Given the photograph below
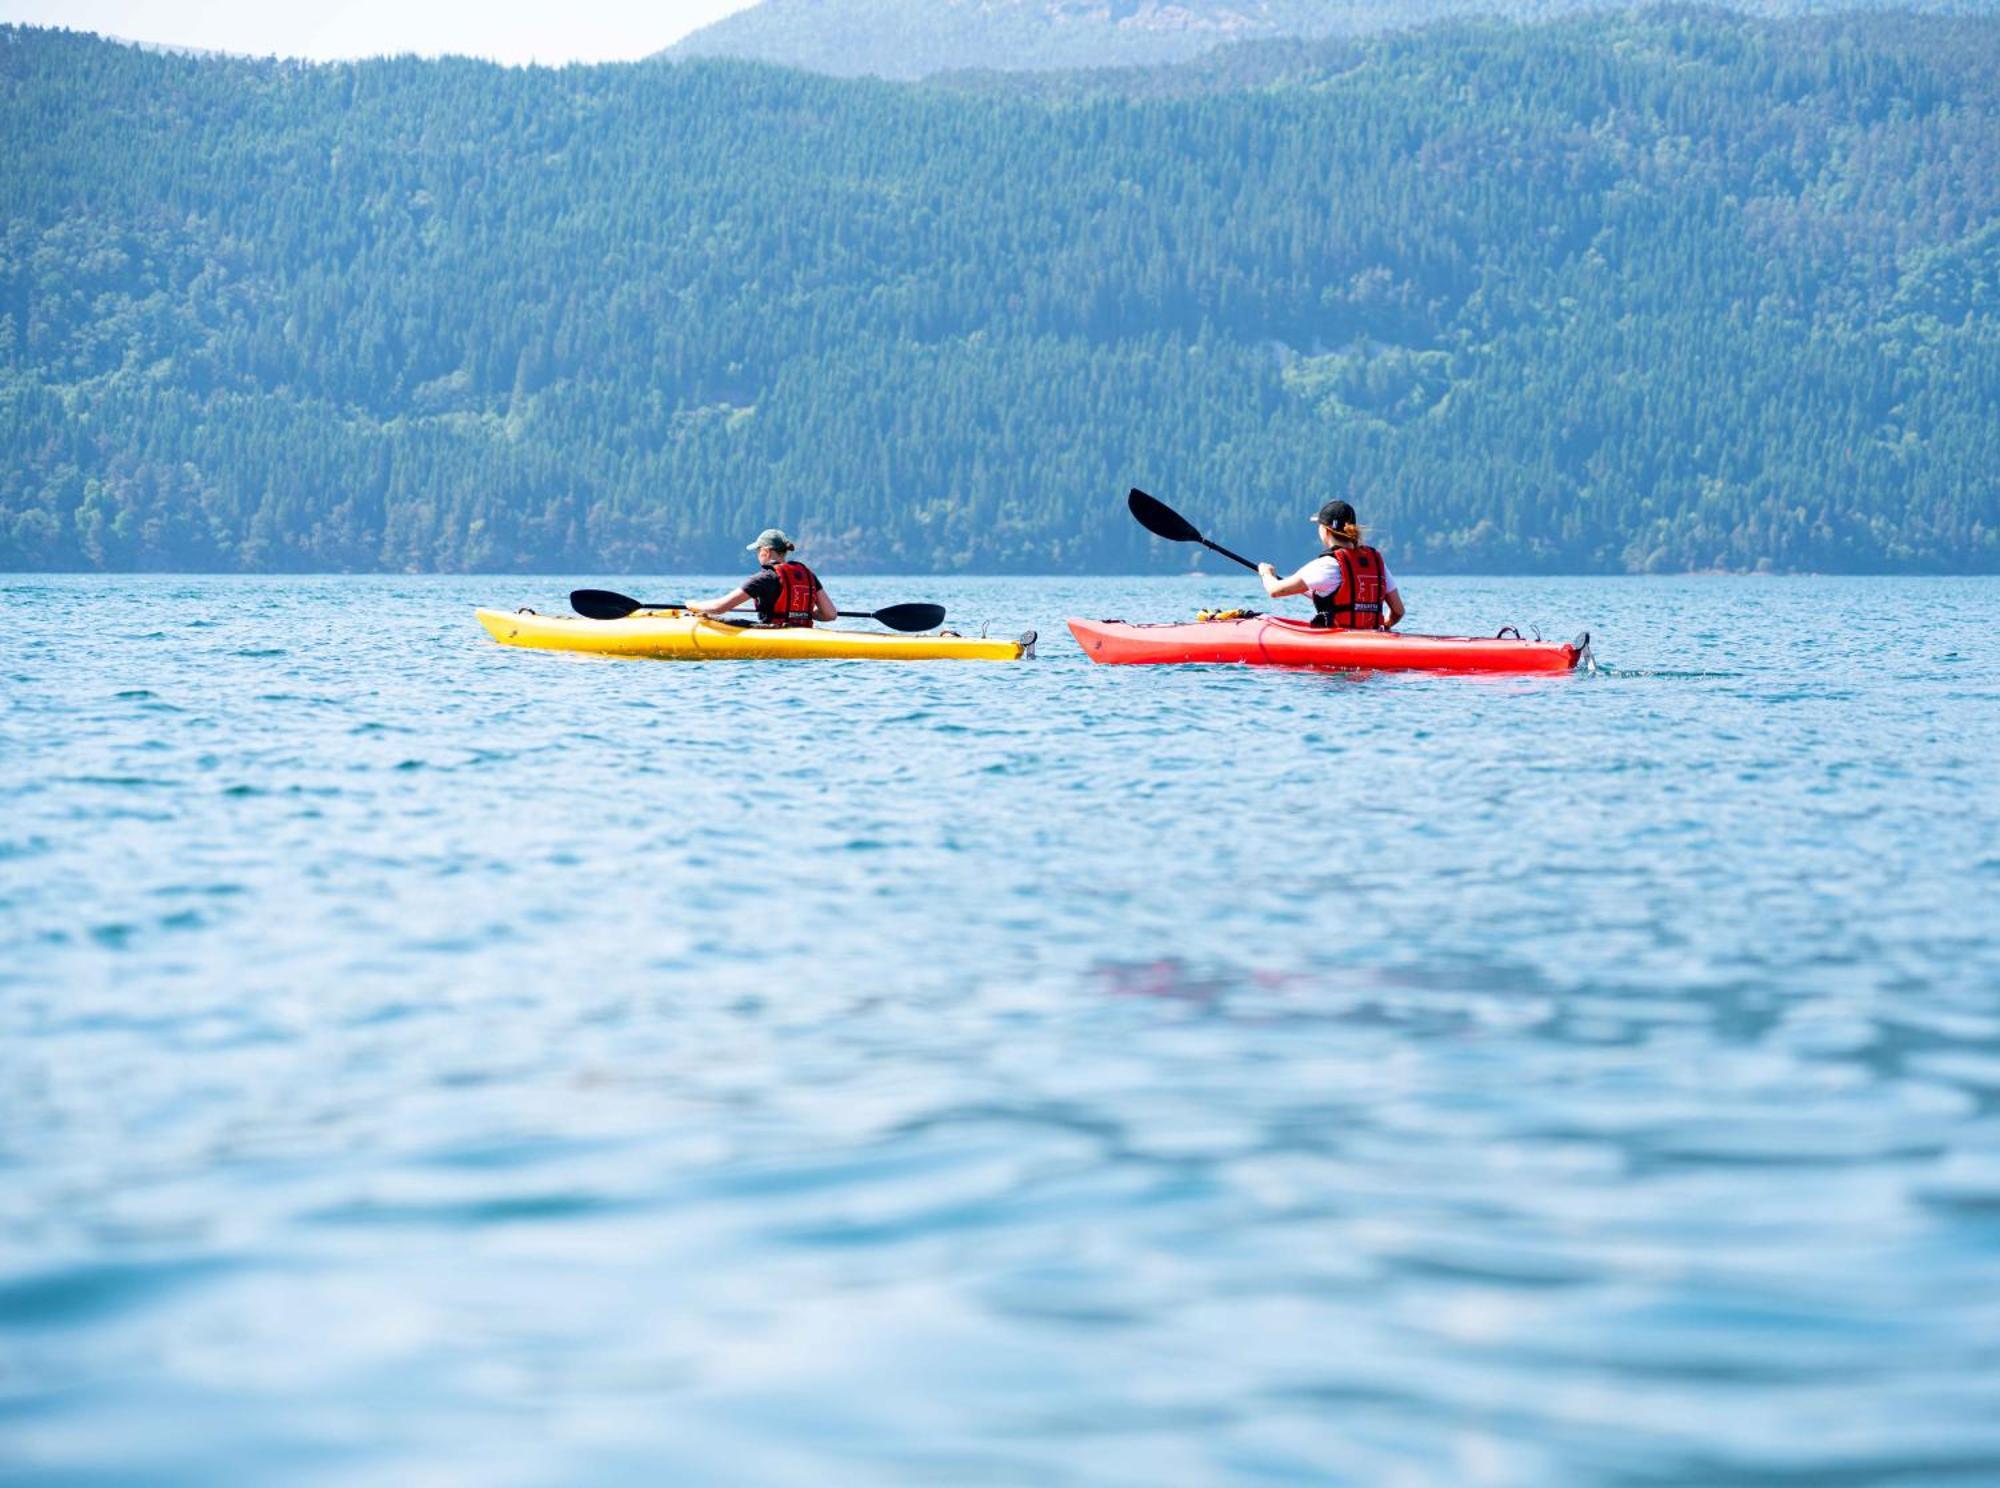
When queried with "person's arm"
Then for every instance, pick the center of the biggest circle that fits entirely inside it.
(1279, 588)
(1395, 609)
(823, 607)
(728, 601)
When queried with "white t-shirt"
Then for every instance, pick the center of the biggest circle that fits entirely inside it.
(1322, 576)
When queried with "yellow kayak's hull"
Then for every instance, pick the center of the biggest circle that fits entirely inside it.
(675, 635)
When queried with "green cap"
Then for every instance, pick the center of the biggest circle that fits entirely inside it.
(772, 537)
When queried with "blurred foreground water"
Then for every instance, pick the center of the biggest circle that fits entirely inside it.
(427, 1062)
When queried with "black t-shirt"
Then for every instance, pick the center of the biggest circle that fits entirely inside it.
(764, 589)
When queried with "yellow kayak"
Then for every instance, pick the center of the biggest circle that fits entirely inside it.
(675, 635)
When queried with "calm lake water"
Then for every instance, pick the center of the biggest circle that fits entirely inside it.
(425, 1062)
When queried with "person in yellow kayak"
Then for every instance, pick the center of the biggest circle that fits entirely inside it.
(785, 591)
(1350, 585)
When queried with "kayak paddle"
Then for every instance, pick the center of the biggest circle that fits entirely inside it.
(1163, 521)
(602, 604)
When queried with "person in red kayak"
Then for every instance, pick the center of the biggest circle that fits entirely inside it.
(786, 592)
(1350, 585)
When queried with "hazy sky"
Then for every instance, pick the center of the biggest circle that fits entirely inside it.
(505, 30)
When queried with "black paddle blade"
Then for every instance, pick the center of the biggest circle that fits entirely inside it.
(912, 616)
(601, 604)
(1160, 519)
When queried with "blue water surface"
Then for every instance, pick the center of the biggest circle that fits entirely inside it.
(428, 1062)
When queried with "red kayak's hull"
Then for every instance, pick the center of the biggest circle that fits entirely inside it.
(1266, 641)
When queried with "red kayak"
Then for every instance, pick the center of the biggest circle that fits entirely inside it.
(1265, 640)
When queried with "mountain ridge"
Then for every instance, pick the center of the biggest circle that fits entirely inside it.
(911, 39)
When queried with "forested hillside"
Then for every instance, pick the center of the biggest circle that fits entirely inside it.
(916, 38)
(1673, 292)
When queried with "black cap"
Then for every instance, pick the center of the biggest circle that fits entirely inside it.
(1335, 514)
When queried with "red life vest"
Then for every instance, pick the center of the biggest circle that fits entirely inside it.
(1358, 603)
(793, 608)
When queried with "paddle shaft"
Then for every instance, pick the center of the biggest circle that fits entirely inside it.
(675, 604)
(603, 604)
(1233, 557)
